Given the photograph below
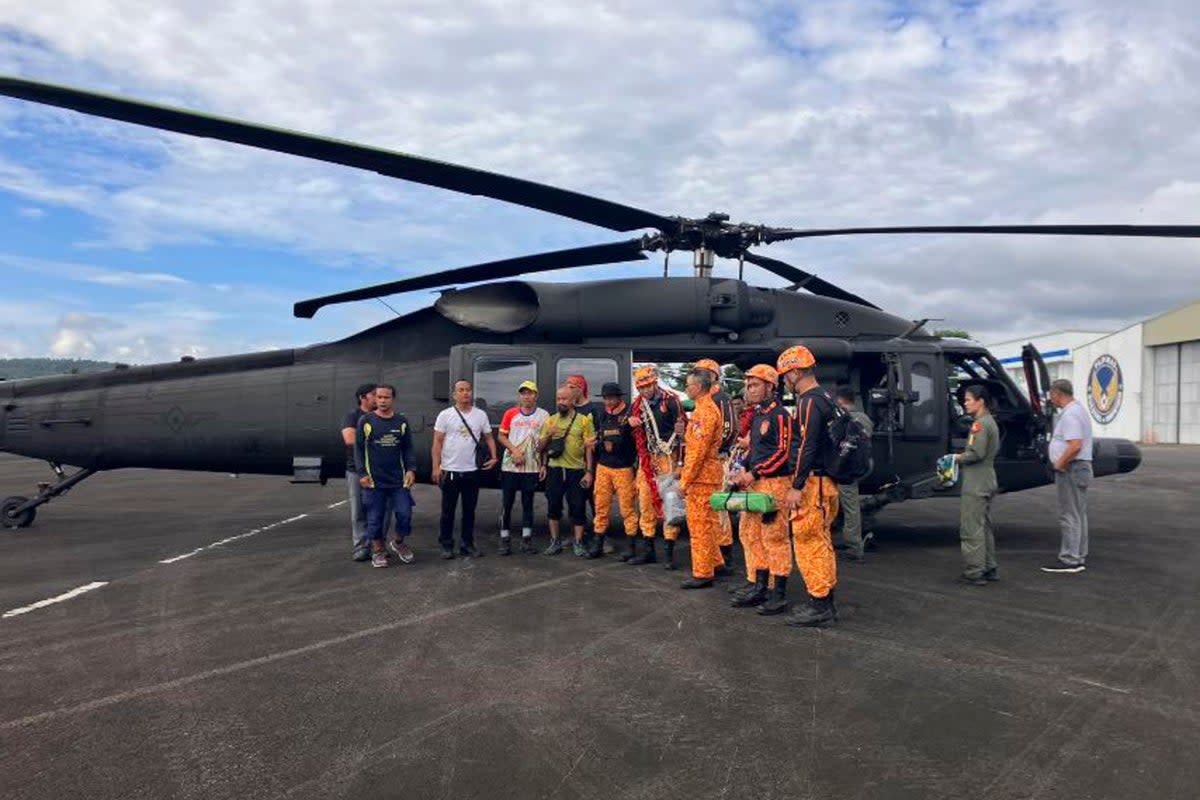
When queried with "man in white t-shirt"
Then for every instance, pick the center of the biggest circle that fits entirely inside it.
(1071, 457)
(521, 468)
(457, 433)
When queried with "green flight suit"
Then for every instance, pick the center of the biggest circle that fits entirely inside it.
(978, 474)
(852, 532)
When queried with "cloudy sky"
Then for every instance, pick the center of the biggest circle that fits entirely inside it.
(120, 242)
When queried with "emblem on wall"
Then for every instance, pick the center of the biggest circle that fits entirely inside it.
(1105, 387)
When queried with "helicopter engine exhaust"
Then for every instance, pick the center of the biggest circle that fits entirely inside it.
(644, 306)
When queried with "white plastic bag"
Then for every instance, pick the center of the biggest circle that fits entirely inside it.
(674, 511)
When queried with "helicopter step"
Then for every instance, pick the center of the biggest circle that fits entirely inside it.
(20, 512)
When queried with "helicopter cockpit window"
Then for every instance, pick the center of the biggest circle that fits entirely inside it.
(598, 372)
(970, 368)
(496, 382)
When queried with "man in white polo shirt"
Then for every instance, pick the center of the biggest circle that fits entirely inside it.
(457, 434)
(1071, 457)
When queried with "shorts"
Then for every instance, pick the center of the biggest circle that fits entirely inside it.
(563, 484)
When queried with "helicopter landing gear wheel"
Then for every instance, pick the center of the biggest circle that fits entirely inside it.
(10, 517)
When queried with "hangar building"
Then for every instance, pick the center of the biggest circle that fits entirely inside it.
(1141, 382)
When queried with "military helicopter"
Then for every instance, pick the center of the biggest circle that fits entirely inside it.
(185, 416)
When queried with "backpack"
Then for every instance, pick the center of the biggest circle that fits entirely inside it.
(848, 455)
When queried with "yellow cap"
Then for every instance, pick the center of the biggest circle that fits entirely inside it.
(530, 385)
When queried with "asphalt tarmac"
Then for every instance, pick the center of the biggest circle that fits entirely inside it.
(270, 665)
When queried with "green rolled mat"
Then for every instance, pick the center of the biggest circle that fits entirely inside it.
(756, 502)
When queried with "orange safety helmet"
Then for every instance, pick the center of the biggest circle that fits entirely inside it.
(764, 372)
(645, 376)
(797, 357)
(708, 364)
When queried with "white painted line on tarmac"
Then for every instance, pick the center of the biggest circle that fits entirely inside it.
(229, 539)
(173, 559)
(52, 600)
(338, 504)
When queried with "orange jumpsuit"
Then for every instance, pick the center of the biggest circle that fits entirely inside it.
(812, 522)
(765, 536)
(702, 476)
(666, 409)
(663, 465)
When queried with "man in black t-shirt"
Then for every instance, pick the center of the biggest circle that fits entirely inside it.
(385, 464)
(365, 398)
(616, 455)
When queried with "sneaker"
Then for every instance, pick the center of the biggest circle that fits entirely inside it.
(556, 547)
(580, 549)
(527, 545)
(379, 559)
(505, 548)
(470, 552)
(447, 553)
(991, 575)
(1063, 567)
(362, 554)
(400, 549)
(976, 580)
(609, 548)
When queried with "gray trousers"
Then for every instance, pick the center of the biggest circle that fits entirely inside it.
(1072, 488)
(358, 514)
(977, 535)
(851, 518)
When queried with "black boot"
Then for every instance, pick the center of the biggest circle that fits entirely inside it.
(755, 594)
(597, 548)
(669, 556)
(726, 569)
(631, 553)
(696, 583)
(777, 603)
(647, 556)
(816, 613)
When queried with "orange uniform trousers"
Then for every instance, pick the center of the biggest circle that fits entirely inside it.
(610, 481)
(765, 536)
(663, 465)
(812, 537)
(704, 526)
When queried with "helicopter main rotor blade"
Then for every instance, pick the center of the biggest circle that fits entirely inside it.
(1168, 231)
(441, 174)
(806, 280)
(591, 255)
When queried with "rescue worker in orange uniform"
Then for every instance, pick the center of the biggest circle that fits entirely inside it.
(767, 470)
(653, 417)
(729, 435)
(813, 497)
(703, 474)
(615, 457)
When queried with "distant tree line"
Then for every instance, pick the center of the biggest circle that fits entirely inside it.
(17, 368)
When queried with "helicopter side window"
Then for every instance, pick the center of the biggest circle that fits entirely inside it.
(496, 382)
(922, 415)
(598, 372)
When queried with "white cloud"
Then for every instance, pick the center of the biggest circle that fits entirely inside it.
(845, 113)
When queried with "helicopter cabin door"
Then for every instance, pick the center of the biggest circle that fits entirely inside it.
(905, 395)
(1037, 386)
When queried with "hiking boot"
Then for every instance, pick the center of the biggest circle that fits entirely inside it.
(470, 552)
(362, 554)
(991, 575)
(400, 549)
(505, 548)
(669, 556)
(555, 547)
(630, 552)
(753, 594)
(579, 549)
(776, 602)
(597, 548)
(1063, 568)
(739, 589)
(696, 583)
(647, 556)
(816, 613)
(527, 545)
(973, 580)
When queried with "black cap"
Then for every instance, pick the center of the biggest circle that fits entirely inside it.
(610, 389)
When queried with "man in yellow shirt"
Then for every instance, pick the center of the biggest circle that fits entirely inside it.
(566, 445)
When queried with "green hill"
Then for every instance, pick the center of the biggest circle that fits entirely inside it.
(16, 368)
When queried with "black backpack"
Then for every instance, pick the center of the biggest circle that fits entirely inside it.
(848, 456)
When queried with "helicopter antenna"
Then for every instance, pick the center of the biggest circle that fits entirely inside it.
(918, 324)
(385, 302)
